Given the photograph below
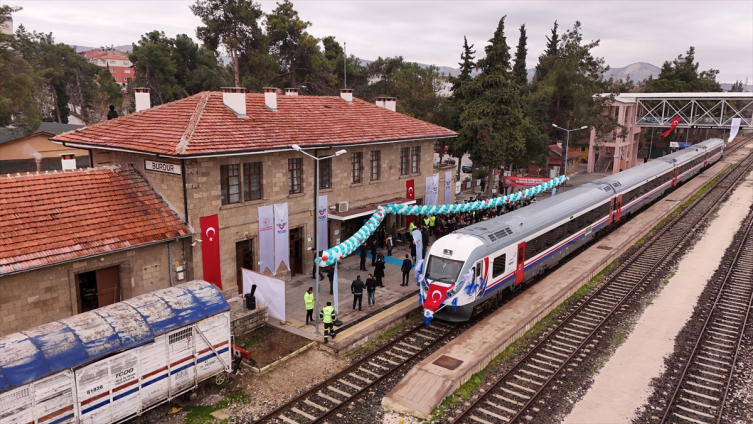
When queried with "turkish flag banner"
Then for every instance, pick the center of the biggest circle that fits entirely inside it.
(210, 249)
(410, 191)
(675, 121)
(435, 296)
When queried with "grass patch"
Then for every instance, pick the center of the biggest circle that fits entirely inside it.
(247, 340)
(203, 414)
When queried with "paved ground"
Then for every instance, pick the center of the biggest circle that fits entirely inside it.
(347, 272)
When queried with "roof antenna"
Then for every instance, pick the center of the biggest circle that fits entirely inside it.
(345, 61)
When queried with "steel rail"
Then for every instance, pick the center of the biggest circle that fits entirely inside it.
(637, 255)
(703, 333)
(353, 368)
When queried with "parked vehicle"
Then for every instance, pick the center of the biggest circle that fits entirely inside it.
(118, 361)
(467, 168)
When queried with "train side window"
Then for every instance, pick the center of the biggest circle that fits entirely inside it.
(549, 239)
(498, 266)
(571, 227)
(559, 233)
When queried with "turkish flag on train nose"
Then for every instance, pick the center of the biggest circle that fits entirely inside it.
(210, 249)
(675, 121)
(435, 296)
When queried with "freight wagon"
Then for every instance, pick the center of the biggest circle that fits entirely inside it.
(118, 361)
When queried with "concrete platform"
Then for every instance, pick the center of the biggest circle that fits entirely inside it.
(427, 384)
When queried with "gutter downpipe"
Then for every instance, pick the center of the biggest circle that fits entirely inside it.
(170, 262)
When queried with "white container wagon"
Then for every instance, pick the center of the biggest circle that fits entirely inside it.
(115, 362)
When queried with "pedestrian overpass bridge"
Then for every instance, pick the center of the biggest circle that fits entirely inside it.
(695, 110)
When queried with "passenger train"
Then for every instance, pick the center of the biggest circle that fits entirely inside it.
(475, 265)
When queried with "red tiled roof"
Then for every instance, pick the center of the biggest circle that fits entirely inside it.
(571, 154)
(202, 125)
(56, 217)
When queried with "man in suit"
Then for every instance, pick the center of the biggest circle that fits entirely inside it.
(362, 267)
(406, 267)
(356, 287)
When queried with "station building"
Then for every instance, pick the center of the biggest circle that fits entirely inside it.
(73, 241)
(228, 153)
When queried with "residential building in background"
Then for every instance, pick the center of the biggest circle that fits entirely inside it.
(229, 153)
(614, 153)
(114, 60)
(35, 152)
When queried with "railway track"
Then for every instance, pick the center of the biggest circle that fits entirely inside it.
(705, 381)
(327, 398)
(517, 395)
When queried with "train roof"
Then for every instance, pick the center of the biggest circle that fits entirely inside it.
(532, 218)
(32, 354)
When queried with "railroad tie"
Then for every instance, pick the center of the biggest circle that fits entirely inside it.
(403, 350)
(694, 411)
(338, 391)
(288, 420)
(362, 369)
(500, 397)
(314, 405)
(703, 405)
(342, 381)
(492, 414)
(365, 380)
(479, 420)
(701, 395)
(329, 398)
(518, 386)
(303, 413)
(374, 364)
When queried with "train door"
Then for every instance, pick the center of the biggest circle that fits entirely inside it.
(520, 269)
(674, 179)
(478, 276)
(706, 160)
(618, 209)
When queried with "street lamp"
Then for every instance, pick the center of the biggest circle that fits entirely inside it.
(567, 147)
(297, 148)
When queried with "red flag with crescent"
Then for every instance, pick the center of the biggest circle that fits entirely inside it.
(435, 296)
(410, 190)
(675, 121)
(210, 249)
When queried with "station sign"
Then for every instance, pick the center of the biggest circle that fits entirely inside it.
(169, 168)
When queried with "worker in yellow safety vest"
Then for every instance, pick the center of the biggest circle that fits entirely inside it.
(432, 224)
(308, 299)
(411, 227)
(328, 315)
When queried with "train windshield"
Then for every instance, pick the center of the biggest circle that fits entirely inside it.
(443, 270)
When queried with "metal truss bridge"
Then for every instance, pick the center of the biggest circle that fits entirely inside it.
(696, 110)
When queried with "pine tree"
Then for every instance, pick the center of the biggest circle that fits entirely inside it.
(519, 69)
(491, 122)
(546, 60)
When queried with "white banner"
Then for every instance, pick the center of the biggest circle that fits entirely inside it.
(282, 239)
(458, 188)
(733, 129)
(427, 191)
(270, 292)
(321, 223)
(435, 189)
(336, 299)
(447, 187)
(266, 239)
(418, 241)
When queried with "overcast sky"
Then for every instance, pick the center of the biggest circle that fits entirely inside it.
(432, 31)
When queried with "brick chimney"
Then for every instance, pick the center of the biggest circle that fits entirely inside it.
(347, 95)
(291, 91)
(388, 103)
(234, 98)
(143, 101)
(270, 98)
(69, 161)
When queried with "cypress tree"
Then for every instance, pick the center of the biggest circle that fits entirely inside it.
(546, 60)
(519, 69)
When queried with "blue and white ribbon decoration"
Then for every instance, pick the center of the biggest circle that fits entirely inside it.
(332, 255)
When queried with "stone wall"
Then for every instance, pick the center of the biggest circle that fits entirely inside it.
(239, 221)
(37, 297)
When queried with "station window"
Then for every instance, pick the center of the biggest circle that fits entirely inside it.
(230, 183)
(415, 159)
(356, 166)
(295, 174)
(252, 181)
(325, 173)
(404, 160)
